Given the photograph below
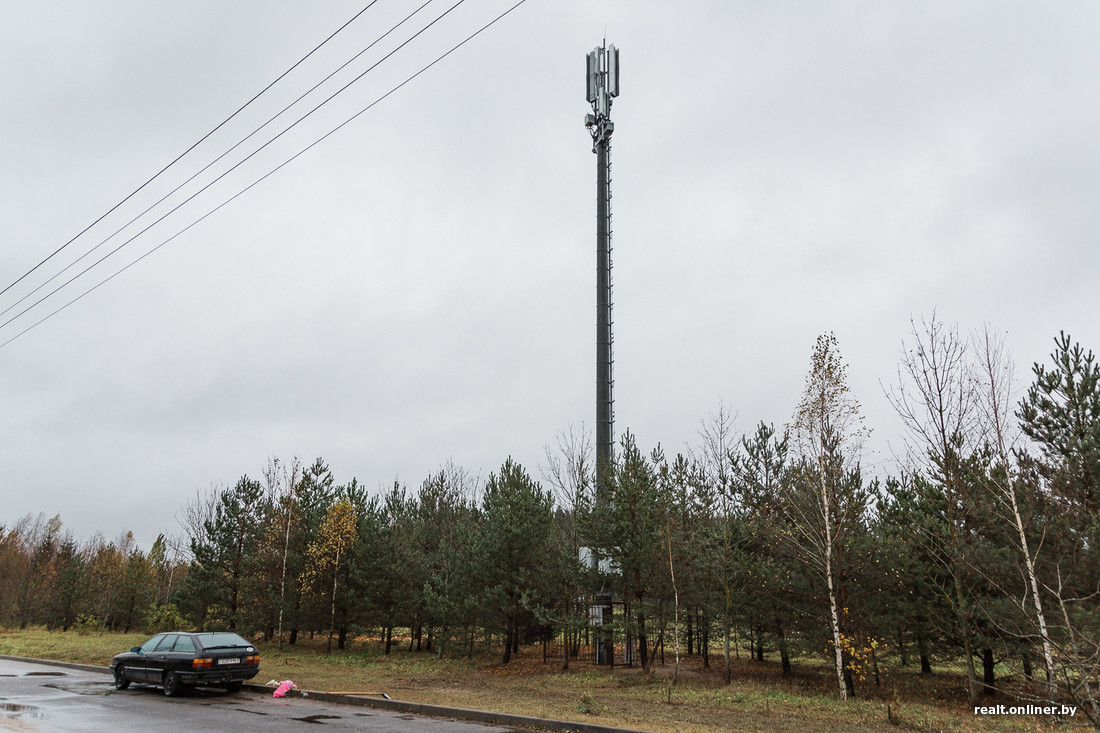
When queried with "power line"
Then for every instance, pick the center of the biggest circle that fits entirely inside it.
(185, 152)
(202, 170)
(264, 177)
(229, 170)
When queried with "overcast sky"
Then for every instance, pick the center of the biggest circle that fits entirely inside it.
(419, 287)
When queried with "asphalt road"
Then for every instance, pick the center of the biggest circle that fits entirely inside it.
(37, 697)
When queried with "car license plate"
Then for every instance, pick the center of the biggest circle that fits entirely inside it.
(230, 660)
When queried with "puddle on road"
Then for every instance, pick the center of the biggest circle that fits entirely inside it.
(82, 688)
(44, 674)
(317, 718)
(15, 710)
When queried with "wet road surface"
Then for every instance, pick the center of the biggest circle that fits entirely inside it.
(38, 697)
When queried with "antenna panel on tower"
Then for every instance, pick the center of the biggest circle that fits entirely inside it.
(593, 73)
(613, 71)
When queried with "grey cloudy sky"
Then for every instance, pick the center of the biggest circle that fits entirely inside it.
(419, 287)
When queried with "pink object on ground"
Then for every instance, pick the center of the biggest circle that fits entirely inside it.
(282, 689)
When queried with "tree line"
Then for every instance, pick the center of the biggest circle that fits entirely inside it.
(982, 549)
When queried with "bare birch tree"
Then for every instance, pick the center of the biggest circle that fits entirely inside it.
(282, 485)
(936, 399)
(569, 471)
(716, 463)
(194, 517)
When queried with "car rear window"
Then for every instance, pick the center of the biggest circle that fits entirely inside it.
(222, 640)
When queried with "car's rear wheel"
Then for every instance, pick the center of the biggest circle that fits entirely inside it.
(172, 684)
(121, 680)
(234, 686)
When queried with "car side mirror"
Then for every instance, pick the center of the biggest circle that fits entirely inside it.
(136, 649)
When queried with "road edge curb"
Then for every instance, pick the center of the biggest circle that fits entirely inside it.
(54, 663)
(445, 711)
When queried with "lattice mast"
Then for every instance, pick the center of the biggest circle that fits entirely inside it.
(602, 85)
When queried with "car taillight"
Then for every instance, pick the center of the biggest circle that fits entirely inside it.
(253, 659)
(202, 663)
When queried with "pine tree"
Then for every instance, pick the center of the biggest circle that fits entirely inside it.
(762, 469)
(224, 556)
(514, 545)
(634, 522)
(1061, 413)
(448, 534)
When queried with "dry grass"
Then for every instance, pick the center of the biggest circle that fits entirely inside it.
(759, 698)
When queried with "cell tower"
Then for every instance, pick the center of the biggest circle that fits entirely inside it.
(602, 85)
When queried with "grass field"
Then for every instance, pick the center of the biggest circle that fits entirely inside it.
(757, 699)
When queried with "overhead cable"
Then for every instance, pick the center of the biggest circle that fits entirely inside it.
(207, 166)
(258, 180)
(226, 172)
(185, 152)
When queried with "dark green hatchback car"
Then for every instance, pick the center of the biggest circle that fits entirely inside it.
(179, 659)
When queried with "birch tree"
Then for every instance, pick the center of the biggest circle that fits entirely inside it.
(936, 399)
(827, 434)
(571, 477)
(282, 485)
(717, 464)
(336, 536)
(995, 376)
